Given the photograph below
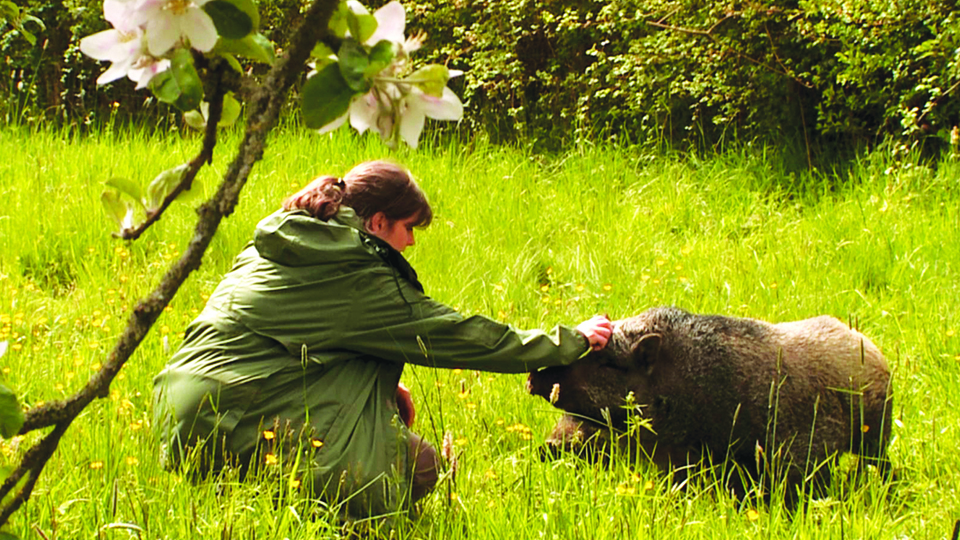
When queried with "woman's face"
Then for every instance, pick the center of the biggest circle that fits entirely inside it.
(399, 233)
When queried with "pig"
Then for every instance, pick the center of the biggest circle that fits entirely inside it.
(778, 400)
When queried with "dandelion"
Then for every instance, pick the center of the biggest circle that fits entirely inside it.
(865, 428)
(316, 443)
(490, 474)
(625, 490)
(460, 442)
(295, 483)
(96, 465)
(454, 497)
(501, 314)
(773, 285)
(132, 461)
(648, 485)
(269, 435)
(545, 287)
(580, 287)
(270, 459)
(753, 515)
(951, 333)
(607, 287)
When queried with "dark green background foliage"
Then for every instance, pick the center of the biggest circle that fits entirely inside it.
(682, 71)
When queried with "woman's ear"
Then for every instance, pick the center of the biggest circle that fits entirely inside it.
(377, 223)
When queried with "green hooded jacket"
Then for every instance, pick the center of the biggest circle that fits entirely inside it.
(306, 337)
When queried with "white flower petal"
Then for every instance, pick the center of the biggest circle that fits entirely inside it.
(447, 107)
(334, 125)
(162, 33)
(143, 75)
(199, 29)
(364, 111)
(391, 21)
(411, 123)
(101, 45)
(120, 14)
(116, 71)
(357, 7)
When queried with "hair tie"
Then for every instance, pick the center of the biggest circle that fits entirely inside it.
(340, 184)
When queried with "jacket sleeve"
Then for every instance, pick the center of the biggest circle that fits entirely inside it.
(403, 325)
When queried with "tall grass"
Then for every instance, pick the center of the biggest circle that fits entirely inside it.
(527, 239)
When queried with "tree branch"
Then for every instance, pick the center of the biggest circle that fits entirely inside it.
(265, 113)
(193, 167)
(709, 34)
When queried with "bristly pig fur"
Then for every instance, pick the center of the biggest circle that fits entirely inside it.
(803, 391)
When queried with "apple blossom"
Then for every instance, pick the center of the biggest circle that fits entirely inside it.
(168, 21)
(127, 52)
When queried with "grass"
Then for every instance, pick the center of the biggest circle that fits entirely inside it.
(527, 239)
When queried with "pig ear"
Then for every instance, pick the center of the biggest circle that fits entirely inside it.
(647, 351)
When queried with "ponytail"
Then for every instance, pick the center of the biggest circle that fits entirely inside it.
(370, 187)
(320, 198)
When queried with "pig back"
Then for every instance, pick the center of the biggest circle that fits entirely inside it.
(838, 377)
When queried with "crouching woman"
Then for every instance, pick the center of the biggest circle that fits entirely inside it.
(305, 340)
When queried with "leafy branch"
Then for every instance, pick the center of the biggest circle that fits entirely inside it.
(265, 111)
(709, 34)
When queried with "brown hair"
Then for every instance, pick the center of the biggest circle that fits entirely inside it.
(370, 187)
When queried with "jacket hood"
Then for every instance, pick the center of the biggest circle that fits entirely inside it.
(294, 238)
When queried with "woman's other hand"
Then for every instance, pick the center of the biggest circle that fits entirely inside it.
(405, 405)
(597, 330)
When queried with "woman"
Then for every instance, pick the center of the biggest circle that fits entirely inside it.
(306, 337)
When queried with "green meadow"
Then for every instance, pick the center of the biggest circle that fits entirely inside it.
(532, 240)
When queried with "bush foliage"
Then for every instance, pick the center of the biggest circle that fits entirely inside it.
(675, 71)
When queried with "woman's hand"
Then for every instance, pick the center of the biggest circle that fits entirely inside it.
(597, 331)
(405, 405)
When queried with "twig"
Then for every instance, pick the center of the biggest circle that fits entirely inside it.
(204, 157)
(937, 102)
(265, 113)
(709, 34)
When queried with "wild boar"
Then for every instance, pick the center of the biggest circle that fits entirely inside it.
(771, 397)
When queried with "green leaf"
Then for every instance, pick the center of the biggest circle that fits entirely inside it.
(128, 187)
(325, 97)
(195, 120)
(431, 79)
(180, 85)
(163, 185)
(233, 62)
(118, 208)
(255, 47)
(11, 416)
(231, 111)
(321, 50)
(380, 57)
(231, 21)
(353, 65)
(361, 25)
(338, 21)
